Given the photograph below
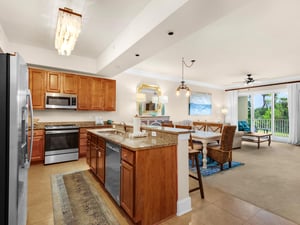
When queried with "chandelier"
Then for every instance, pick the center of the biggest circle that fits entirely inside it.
(67, 30)
(182, 85)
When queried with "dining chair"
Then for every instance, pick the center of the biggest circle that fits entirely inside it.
(222, 153)
(183, 126)
(214, 127)
(199, 126)
(167, 124)
(193, 154)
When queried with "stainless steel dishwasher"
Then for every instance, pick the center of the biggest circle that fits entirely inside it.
(112, 170)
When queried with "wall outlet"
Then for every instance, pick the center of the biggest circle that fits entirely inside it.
(153, 133)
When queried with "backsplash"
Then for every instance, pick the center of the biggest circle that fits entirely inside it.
(70, 115)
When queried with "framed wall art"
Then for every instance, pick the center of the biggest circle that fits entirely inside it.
(200, 104)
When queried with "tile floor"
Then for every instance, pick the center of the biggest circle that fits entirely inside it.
(218, 208)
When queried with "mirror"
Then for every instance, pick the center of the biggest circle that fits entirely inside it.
(147, 99)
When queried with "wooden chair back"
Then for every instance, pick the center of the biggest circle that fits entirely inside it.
(199, 126)
(214, 127)
(167, 124)
(227, 138)
(184, 127)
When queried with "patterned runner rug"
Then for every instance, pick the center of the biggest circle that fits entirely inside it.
(77, 202)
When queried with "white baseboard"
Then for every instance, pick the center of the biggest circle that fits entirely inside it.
(184, 206)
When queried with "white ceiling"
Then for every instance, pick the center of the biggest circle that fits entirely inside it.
(227, 38)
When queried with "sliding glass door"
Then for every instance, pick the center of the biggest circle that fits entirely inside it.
(267, 112)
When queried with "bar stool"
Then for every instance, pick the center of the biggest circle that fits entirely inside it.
(193, 154)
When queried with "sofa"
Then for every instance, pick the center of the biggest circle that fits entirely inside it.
(237, 140)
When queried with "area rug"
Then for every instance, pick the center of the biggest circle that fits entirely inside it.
(77, 202)
(212, 167)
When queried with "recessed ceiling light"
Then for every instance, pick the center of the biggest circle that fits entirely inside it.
(137, 55)
(170, 33)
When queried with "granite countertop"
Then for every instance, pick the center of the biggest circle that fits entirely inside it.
(87, 124)
(135, 144)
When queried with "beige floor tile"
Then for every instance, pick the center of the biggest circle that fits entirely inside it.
(266, 218)
(217, 207)
(213, 215)
(237, 207)
(213, 194)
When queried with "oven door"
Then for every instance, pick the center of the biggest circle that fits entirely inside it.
(61, 145)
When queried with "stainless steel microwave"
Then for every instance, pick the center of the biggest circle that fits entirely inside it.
(60, 101)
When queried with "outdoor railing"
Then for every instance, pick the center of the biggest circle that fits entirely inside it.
(281, 126)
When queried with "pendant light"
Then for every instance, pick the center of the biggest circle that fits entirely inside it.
(182, 85)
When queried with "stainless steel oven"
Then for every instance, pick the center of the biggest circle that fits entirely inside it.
(61, 143)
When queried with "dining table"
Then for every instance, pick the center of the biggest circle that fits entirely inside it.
(205, 137)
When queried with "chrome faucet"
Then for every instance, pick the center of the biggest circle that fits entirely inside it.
(124, 125)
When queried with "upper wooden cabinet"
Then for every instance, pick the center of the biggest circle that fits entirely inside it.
(62, 83)
(37, 85)
(84, 92)
(97, 94)
(109, 95)
(93, 93)
(69, 83)
(53, 82)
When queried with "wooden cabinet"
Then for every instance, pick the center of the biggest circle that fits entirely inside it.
(93, 152)
(127, 181)
(37, 84)
(83, 142)
(84, 139)
(38, 145)
(100, 159)
(109, 95)
(62, 83)
(93, 93)
(84, 92)
(149, 184)
(88, 149)
(97, 94)
(53, 82)
(97, 156)
(69, 83)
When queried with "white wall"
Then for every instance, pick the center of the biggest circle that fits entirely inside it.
(4, 45)
(177, 108)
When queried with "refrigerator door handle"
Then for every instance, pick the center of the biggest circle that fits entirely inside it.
(28, 160)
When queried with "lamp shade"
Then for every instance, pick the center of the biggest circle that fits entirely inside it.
(224, 111)
(155, 99)
(163, 99)
(67, 31)
(140, 97)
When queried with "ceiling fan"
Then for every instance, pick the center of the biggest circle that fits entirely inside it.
(249, 79)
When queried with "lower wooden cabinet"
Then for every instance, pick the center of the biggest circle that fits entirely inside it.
(93, 149)
(127, 190)
(88, 149)
(149, 184)
(83, 140)
(97, 156)
(38, 145)
(100, 159)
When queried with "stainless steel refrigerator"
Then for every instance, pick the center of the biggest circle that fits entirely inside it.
(15, 108)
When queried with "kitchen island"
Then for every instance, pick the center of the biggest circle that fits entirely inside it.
(149, 178)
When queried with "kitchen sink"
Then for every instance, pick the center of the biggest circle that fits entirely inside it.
(113, 131)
